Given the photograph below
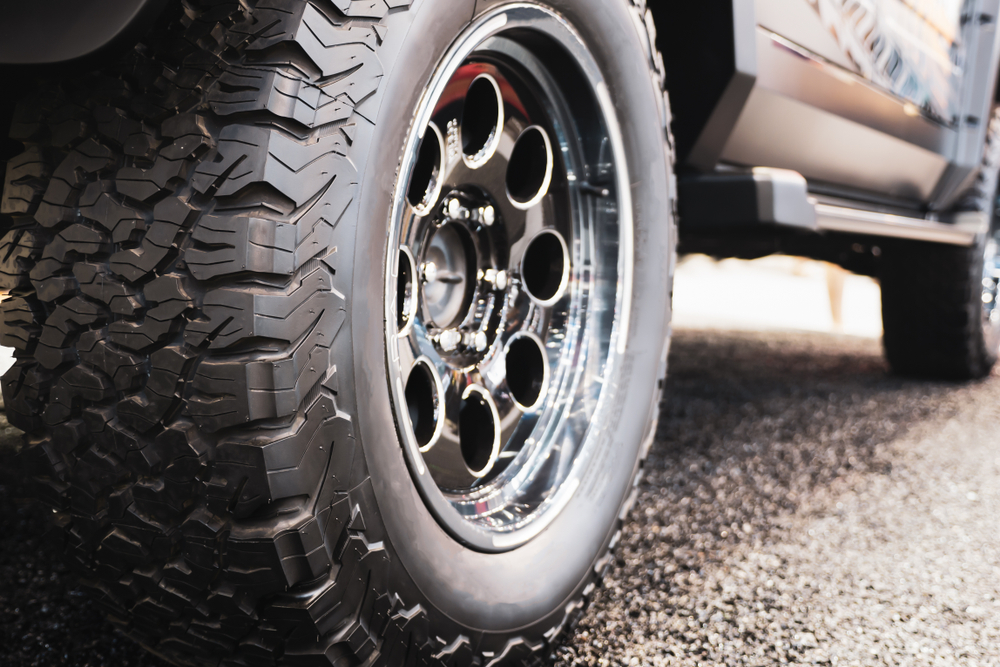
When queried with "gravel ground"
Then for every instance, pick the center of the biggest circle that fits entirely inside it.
(800, 505)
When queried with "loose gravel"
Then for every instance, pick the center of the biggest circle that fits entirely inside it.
(803, 506)
(800, 505)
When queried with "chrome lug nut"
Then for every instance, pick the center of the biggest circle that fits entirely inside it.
(477, 341)
(456, 211)
(449, 340)
(498, 279)
(488, 215)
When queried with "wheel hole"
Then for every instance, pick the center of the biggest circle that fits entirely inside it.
(482, 118)
(529, 172)
(421, 402)
(477, 433)
(545, 266)
(425, 182)
(526, 371)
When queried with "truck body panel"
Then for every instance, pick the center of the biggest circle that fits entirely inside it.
(885, 98)
(834, 127)
(46, 32)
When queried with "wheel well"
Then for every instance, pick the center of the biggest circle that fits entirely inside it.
(709, 71)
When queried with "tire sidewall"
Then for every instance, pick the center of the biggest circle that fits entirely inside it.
(519, 588)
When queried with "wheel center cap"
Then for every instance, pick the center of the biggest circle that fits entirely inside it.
(449, 270)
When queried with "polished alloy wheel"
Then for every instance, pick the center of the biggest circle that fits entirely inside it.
(991, 293)
(510, 250)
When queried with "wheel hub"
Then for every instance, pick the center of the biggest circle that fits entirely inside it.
(461, 280)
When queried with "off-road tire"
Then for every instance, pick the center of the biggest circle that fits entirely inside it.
(180, 257)
(932, 293)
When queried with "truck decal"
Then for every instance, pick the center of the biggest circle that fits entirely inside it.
(911, 48)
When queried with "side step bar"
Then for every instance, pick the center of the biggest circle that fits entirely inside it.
(854, 221)
(732, 201)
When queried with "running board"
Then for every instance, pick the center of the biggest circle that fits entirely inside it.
(742, 200)
(963, 231)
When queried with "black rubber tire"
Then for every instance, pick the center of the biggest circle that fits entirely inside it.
(932, 308)
(194, 259)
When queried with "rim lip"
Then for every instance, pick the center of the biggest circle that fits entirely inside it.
(547, 181)
(563, 283)
(486, 153)
(490, 24)
(545, 368)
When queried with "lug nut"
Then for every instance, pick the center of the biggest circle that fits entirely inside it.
(499, 279)
(477, 341)
(488, 215)
(449, 340)
(456, 211)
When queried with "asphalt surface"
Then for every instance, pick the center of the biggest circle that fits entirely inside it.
(800, 505)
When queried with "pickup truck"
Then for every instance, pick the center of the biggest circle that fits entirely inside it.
(341, 326)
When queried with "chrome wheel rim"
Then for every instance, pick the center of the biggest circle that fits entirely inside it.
(990, 294)
(508, 277)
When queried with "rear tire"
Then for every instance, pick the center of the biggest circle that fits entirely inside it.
(939, 302)
(196, 264)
